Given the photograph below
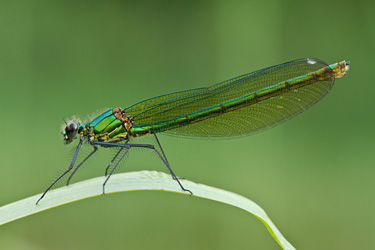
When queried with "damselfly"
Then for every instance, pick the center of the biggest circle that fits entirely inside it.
(240, 106)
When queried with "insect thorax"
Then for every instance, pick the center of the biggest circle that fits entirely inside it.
(112, 125)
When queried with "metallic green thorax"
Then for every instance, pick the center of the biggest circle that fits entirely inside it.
(272, 104)
(102, 127)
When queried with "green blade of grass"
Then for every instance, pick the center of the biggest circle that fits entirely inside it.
(135, 181)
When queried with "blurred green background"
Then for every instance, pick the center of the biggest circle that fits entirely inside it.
(314, 175)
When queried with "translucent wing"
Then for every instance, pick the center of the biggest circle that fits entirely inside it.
(244, 121)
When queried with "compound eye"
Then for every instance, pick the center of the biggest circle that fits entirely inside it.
(71, 130)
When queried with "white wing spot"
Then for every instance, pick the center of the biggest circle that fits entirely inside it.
(310, 61)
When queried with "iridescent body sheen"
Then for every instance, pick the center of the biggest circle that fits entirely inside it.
(243, 105)
(240, 106)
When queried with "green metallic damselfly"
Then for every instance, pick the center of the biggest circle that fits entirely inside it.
(237, 107)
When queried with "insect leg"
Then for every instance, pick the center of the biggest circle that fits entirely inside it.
(123, 155)
(114, 158)
(165, 157)
(75, 170)
(128, 146)
(70, 168)
(165, 162)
